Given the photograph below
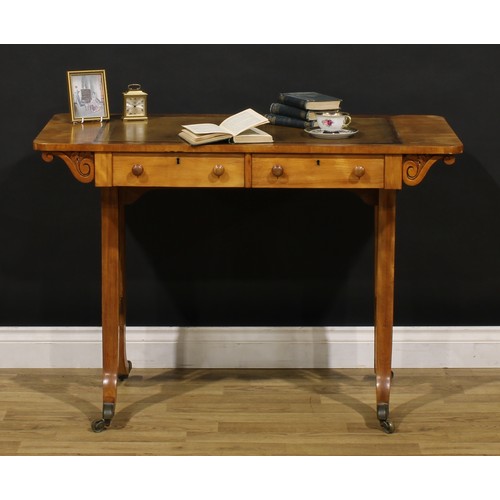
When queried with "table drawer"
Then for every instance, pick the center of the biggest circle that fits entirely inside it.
(321, 171)
(167, 170)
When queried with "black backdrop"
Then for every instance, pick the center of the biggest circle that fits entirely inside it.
(255, 257)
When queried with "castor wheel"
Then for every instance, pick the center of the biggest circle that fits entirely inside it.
(121, 378)
(383, 417)
(99, 425)
(387, 426)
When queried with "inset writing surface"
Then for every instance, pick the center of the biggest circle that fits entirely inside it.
(405, 134)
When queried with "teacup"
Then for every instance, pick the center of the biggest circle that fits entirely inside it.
(333, 121)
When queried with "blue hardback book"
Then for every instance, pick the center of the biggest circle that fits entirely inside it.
(314, 101)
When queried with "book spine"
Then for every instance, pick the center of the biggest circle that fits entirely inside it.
(278, 108)
(288, 121)
(292, 101)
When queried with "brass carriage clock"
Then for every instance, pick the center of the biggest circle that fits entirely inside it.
(135, 103)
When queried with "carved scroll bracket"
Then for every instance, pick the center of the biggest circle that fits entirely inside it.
(415, 167)
(81, 165)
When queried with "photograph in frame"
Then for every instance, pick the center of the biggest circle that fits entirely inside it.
(88, 95)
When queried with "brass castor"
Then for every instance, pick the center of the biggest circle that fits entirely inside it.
(383, 417)
(387, 426)
(121, 378)
(100, 424)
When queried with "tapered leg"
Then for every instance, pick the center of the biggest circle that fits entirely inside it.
(385, 237)
(113, 302)
(124, 366)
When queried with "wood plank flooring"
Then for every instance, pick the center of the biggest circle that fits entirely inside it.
(298, 412)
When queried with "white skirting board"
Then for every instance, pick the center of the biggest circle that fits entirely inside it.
(252, 347)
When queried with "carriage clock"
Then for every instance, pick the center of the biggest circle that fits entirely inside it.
(135, 103)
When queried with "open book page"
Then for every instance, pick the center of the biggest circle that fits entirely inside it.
(233, 125)
(253, 135)
(196, 139)
(243, 120)
(206, 128)
(242, 124)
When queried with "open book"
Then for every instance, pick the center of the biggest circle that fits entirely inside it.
(239, 128)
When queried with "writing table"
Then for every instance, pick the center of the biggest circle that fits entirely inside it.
(124, 159)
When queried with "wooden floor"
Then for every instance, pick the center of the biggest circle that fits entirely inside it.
(250, 412)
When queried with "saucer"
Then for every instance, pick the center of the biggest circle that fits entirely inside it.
(338, 134)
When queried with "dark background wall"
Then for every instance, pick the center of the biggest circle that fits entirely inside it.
(255, 257)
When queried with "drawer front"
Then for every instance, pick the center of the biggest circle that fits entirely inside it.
(318, 171)
(178, 171)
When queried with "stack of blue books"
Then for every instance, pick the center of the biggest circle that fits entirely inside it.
(298, 109)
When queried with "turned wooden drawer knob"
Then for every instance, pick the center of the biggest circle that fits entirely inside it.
(359, 171)
(218, 170)
(137, 169)
(277, 170)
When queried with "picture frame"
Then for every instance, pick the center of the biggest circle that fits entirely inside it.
(88, 95)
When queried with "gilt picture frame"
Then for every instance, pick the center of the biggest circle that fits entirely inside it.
(88, 95)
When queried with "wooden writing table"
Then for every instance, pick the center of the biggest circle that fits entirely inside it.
(124, 159)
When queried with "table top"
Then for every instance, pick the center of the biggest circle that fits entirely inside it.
(396, 134)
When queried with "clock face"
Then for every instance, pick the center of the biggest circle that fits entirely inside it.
(135, 106)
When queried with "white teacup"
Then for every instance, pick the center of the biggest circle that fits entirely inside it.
(333, 121)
